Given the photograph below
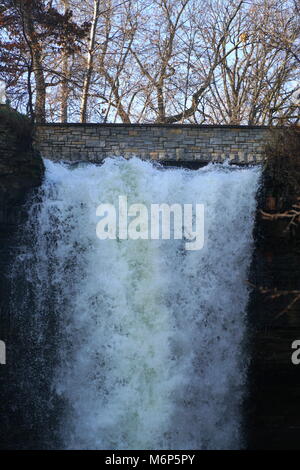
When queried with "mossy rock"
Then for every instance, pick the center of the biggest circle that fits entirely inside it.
(21, 167)
(283, 164)
(17, 122)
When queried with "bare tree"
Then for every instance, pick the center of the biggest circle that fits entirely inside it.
(168, 61)
(64, 97)
(171, 46)
(27, 20)
(254, 84)
(110, 66)
(90, 58)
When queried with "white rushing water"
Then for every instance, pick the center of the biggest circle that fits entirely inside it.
(151, 352)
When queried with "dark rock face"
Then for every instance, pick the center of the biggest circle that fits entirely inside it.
(21, 168)
(21, 171)
(273, 408)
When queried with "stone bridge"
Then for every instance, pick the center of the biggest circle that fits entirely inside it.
(165, 143)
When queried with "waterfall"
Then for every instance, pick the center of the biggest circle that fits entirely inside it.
(137, 344)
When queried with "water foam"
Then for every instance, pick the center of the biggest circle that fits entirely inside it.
(150, 351)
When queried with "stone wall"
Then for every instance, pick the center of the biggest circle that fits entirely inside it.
(165, 143)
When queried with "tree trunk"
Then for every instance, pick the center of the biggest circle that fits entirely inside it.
(160, 104)
(64, 92)
(37, 68)
(89, 68)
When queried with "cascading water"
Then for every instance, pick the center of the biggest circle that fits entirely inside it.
(137, 344)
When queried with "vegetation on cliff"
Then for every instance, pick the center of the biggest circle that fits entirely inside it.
(166, 61)
(18, 123)
(283, 166)
(21, 167)
(279, 220)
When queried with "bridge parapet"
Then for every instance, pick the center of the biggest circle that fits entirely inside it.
(176, 143)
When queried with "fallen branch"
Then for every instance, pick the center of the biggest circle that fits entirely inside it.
(275, 294)
(292, 214)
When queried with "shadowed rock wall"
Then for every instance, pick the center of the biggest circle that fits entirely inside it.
(274, 411)
(21, 170)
